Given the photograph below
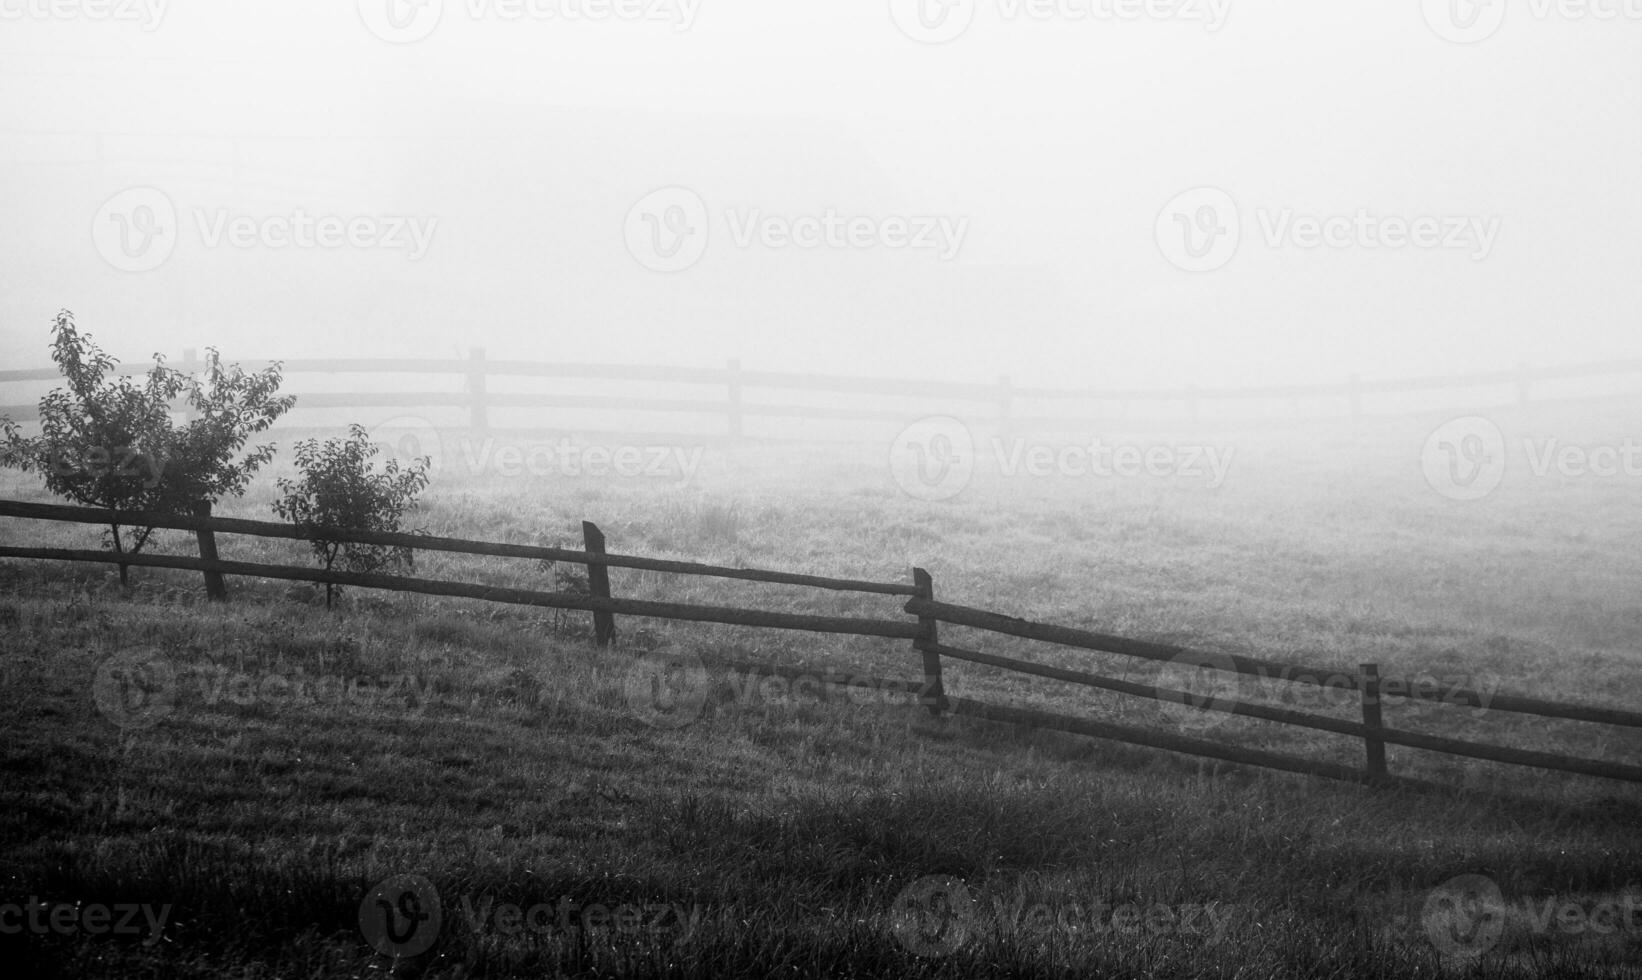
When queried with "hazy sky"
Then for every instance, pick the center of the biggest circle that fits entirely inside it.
(1008, 201)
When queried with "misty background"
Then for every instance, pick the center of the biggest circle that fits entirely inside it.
(1059, 141)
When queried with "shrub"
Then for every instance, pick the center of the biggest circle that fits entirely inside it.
(338, 490)
(110, 442)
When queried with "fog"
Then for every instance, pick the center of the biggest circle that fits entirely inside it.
(1016, 190)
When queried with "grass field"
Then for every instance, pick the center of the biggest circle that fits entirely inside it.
(316, 771)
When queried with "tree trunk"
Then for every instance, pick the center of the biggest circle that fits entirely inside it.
(125, 581)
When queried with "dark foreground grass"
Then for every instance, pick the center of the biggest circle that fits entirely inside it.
(505, 766)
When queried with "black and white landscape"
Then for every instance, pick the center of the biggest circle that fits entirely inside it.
(888, 488)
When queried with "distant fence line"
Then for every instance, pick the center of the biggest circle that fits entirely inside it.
(998, 403)
(923, 631)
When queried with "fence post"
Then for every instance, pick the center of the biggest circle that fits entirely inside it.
(1371, 721)
(478, 415)
(934, 689)
(598, 585)
(733, 366)
(215, 588)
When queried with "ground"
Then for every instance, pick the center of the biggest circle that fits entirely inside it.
(487, 760)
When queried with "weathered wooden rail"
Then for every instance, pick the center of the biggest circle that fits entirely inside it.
(923, 631)
(726, 389)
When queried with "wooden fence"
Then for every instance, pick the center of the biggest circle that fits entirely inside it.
(727, 406)
(923, 630)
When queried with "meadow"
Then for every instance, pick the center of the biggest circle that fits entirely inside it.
(318, 769)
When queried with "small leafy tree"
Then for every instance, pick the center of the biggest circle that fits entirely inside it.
(338, 490)
(109, 441)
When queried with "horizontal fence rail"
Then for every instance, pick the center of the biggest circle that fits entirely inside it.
(520, 597)
(1156, 739)
(270, 529)
(1261, 668)
(923, 632)
(1301, 719)
(999, 402)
